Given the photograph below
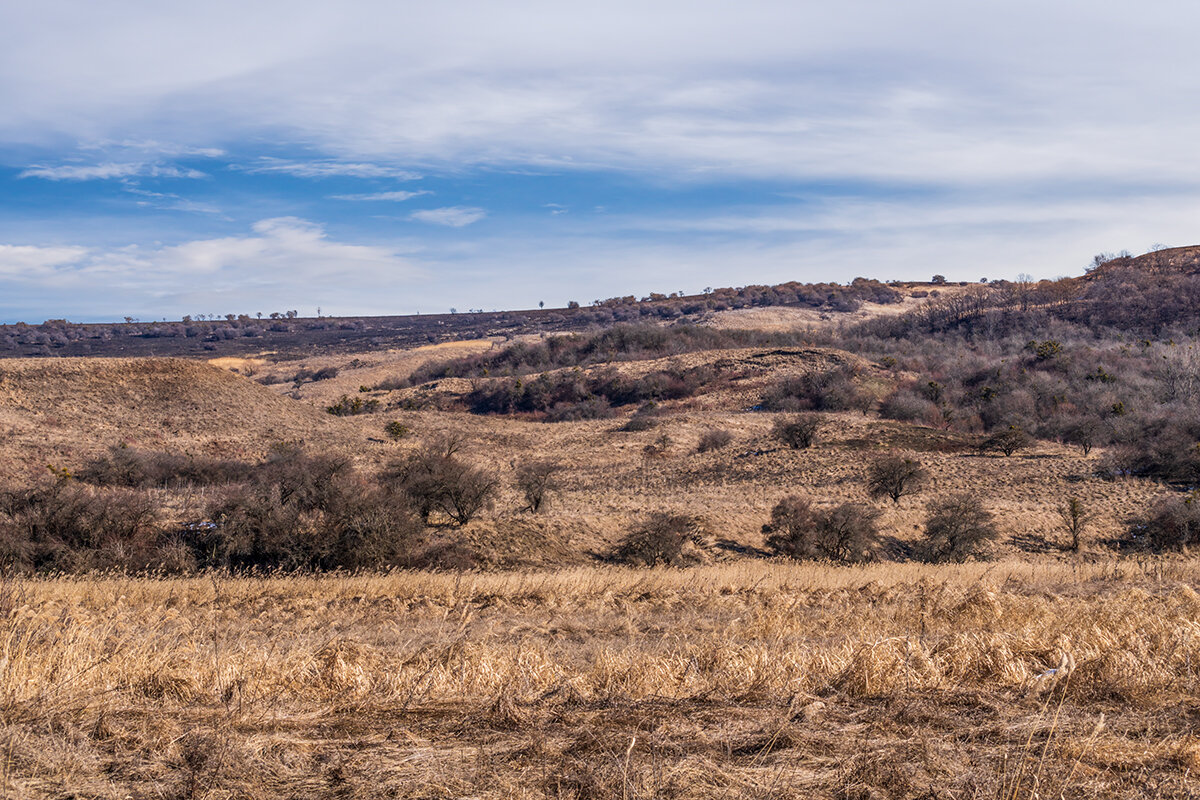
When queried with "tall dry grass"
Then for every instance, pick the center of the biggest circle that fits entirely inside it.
(746, 680)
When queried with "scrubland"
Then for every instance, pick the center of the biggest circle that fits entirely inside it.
(748, 679)
(177, 621)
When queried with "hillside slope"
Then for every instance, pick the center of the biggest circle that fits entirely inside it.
(65, 410)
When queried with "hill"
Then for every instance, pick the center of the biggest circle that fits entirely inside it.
(1179, 260)
(65, 410)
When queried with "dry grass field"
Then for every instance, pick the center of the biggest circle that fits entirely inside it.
(746, 680)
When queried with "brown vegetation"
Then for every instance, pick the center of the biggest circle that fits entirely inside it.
(737, 681)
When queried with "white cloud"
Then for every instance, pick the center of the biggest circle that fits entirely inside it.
(109, 171)
(329, 169)
(929, 91)
(393, 197)
(452, 216)
(26, 262)
(282, 260)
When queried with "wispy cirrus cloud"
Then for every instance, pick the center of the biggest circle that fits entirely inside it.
(328, 169)
(382, 197)
(451, 216)
(109, 171)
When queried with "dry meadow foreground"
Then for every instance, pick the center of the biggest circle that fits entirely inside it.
(749, 679)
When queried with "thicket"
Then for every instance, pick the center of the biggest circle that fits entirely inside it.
(573, 394)
(292, 510)
(847, 532)
(660, 540)
(1173, 524)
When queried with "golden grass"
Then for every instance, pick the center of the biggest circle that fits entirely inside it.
(748, 679)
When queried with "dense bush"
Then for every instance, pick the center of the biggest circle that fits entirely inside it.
(347, 406)
(435, 480)
(713, 440)
(660, 540)
(846, 533)
(135, 467)
(830, 390)
(1007, 441)
(958, 527)
(1172, 524)
(798, 432)
(572, 395)
(69, 526)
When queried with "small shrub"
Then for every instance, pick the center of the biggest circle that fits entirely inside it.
(645, 418)
(958, 527)
(349, 407)
(396, 430)
(660, 540)
(661, 448)
(536, 480)
(798, 432)
(713, 440)
(895, 476)
(307, 375)
(1044, 351)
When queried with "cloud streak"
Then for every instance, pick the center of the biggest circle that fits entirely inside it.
(451, 216)
(379, 197)
(328, 169)
(109, 171)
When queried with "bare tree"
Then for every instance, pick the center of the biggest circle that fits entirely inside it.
(895, 476)
(536, 480)
(1007, 441)
(958, 527)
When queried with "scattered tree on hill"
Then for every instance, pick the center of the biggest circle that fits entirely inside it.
(895, 476)
(436, 480)
(536, 480)
(798, 432)
(1076, 516)
(1007, 441)
(958, 527)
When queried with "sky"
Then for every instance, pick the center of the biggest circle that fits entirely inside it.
(161, 159)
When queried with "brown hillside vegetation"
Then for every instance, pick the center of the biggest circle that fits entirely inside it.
(63, 411)
(1185, 260)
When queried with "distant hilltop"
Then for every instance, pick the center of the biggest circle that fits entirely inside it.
(1183, 260)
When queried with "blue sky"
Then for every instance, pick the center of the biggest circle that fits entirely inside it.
(388, 157)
